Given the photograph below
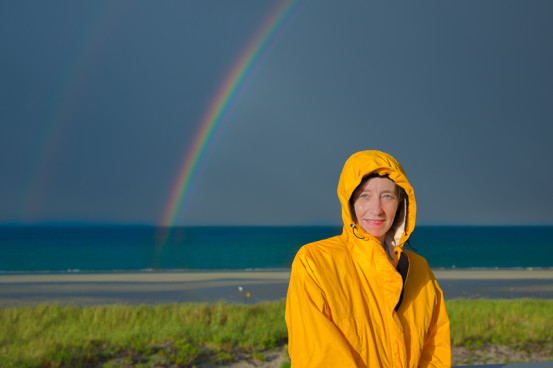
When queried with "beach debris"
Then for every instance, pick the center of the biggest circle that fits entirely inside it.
(246, 295)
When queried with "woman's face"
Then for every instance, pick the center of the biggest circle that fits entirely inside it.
(375, 204)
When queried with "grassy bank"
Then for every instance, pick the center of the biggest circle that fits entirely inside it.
(186, 334)
(518, 324)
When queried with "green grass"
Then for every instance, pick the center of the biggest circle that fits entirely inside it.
(518, 323)
(186, 334)
(72, 336)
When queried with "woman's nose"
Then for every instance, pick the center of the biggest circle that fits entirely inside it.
(375, 207)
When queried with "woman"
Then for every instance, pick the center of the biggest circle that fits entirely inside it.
(359, 299)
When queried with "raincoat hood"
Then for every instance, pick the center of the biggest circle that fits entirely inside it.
(364, 163)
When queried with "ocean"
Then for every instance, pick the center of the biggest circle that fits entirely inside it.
(36, 249)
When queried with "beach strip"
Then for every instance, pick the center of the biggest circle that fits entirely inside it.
(238, 286)
(145, 277)
(185, 276)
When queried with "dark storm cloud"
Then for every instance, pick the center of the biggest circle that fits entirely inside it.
(459, 92)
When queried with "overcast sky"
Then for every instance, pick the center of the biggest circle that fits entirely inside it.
(100, 101)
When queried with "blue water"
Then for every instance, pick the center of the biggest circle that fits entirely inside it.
(135, 248)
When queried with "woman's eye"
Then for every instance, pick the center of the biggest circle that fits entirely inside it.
(388, 196)
(364, 196)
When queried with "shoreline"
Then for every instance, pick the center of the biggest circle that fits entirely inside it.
(232, 286)
(280, 274)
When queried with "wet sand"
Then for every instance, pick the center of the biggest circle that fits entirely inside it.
(179, 287)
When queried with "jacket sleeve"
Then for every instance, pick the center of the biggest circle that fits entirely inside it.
(437, 346)
(313, 338)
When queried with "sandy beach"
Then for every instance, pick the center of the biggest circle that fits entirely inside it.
(232, 286)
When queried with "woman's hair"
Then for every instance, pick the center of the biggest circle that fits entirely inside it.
(400, 194)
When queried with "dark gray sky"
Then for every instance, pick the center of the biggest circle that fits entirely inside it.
(100, 101)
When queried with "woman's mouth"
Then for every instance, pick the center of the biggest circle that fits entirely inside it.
(375, 222)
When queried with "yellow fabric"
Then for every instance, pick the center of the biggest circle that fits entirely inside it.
(343, 291)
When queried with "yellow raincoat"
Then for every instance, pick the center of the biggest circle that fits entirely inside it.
(350, 305)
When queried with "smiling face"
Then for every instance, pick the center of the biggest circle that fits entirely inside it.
(375, 203)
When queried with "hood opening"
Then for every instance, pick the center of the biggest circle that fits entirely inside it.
(399, 226)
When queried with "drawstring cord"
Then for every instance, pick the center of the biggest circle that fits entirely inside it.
(353, 227)
(408, 243)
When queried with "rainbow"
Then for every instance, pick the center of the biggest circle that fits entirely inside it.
(220, 104)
